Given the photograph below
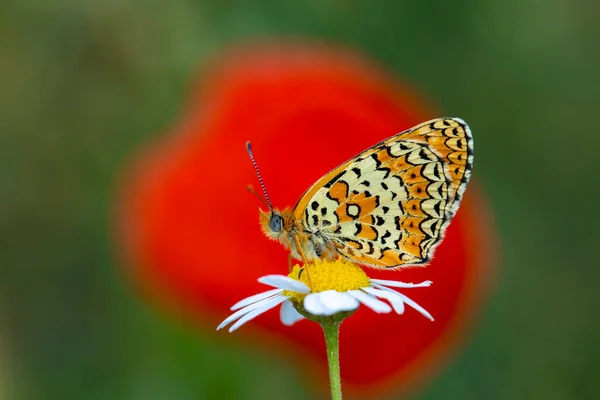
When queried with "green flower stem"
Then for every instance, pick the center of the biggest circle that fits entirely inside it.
(331, 329)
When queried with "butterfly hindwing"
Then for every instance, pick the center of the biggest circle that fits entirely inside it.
(451, 139)
(388, 206)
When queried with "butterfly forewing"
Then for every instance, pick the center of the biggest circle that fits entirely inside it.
(388, 206)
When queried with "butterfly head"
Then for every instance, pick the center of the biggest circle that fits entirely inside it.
(276, 224)
(272, 223)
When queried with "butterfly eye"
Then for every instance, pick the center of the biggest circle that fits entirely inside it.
(276, 223)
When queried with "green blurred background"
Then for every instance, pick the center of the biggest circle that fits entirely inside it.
(83, 84)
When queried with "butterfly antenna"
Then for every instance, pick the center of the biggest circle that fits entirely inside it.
(250, 188)
(262, 185)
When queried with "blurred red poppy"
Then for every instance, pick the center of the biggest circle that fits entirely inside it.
(190, 229)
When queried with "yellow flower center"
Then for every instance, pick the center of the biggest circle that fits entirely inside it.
(340, 275)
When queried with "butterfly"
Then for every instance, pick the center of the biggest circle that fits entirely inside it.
(387, 207)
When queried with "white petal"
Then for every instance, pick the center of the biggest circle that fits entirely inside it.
(391, 296)
(415, 306)
(268, 304)
(408, 301)
(255, 298)
(383, 282)
(284, 282)
(288, 314)
(329, 302)
(249, 308)
(314, 305)
(374, 304)
(336, 301)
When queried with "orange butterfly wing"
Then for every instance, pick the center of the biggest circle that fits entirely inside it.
(389, 206)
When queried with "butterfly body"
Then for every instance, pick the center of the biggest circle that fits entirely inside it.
(293, 234)
(388, 207)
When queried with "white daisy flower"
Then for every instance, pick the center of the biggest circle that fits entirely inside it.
(324, 289)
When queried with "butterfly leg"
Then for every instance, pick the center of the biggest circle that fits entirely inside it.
(290, 258)
(304, 259)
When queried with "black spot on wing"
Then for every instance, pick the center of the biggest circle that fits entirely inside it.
(401, 207)
(358, 227)
(434, 226)
(356, 170)
(424, 155)
(427, 237)
(315, 220)
(334, 179)
(366, 183)
(377, 162)
(353, 210)
(436, 207)
(436, 171)
(385, 209)
(384, 186)
(386, 235)
(379, 220)
(402, 147)
(383, 252)
(376, 233)
(326, 222)
(386, 171)
(314, 205)
(371, 248)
